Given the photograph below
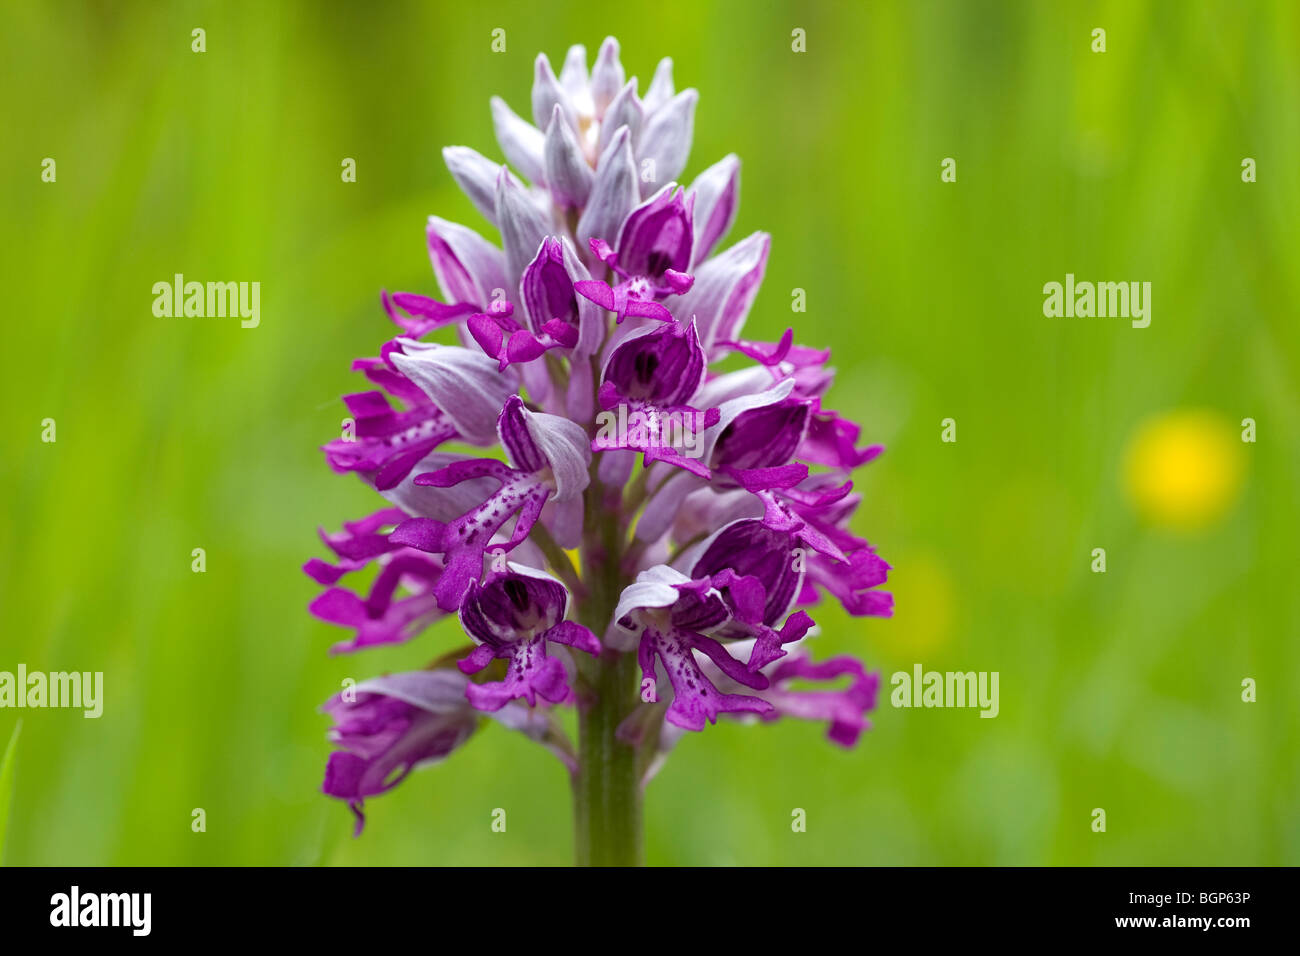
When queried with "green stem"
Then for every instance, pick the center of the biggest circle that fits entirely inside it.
(607, 786)
(559, 561)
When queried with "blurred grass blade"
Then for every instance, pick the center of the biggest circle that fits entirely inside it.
(7, 785)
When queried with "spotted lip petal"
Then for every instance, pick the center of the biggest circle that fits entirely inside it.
(550, 458)
(696, 700)
(465, 540)
(387, 441)
(667, 613)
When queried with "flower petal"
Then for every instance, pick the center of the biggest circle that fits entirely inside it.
(391, 726)
(658, 235)
(573, 75)
(724, 289)
(548, 95)
(476, 175)
(522, 224)
(467, 266)
(521, 141)
(613, 193)
(547, 292)
(717, 198)
(695, 699)
(749, 549)
(661, 87)
(606, 76)
(567, 171)
(466, 385)
(535, 440)
(666, 139)
(624, 110)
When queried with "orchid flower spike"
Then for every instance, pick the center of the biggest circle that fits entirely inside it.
(566, 477)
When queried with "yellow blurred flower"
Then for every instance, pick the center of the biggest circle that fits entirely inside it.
(1183, 469)
(923, 608)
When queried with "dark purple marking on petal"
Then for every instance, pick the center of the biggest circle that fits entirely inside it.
(763, 437)
(518, 442)
(751, 550)
(658, 235)
(663, 367)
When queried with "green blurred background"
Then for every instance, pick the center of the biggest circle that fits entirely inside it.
(1119, 690)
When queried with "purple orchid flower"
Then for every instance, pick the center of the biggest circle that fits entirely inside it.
(653, 596)
(650, 378)
(505, 340)
(742, 584)
(762, 572)
(550, 458)
(668, 611)
(547, 292)
(391, 726)
(388, 726)
(652, 256)
(385, 443)
(515, 615)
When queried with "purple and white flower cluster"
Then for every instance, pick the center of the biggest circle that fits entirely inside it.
(606, 294)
